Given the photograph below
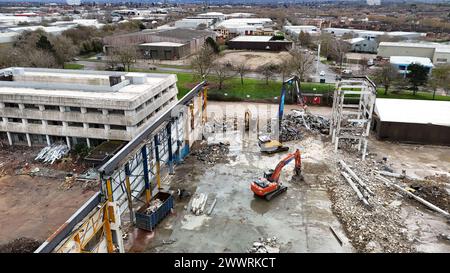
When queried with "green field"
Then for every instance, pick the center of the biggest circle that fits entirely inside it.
(258, 90)
(73, 66)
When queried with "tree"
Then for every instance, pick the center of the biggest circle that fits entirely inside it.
(268, 71)
(202, 61)
(440, 77)
(304, 39)
(326, 41)
(222, 72)
(39, 58)
(125, 55)
(64, 49)
(386, 76)
(418, 75)
(242, 70)
(215, 47)
(285, 68)
(302, 63)
(338, 50)
(44, 44)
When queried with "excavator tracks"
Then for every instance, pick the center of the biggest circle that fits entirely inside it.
(275, 193)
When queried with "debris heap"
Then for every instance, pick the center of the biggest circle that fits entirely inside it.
(294, 125)
(198, 203)
(52, 153)
(20, 245)
(153, 206)
(212, 153)
(269, 245)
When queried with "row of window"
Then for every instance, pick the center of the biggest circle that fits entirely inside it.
(70, 124)
(140, 123)
(66, 108)
(152, 99)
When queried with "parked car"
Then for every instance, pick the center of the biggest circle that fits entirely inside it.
(322, 73)
(347, 72)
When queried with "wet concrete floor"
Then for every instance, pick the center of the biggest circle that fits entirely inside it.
(300, 218)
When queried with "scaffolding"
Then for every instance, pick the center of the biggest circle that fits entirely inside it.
(353, 105)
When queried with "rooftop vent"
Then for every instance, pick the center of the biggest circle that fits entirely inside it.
(113, 80)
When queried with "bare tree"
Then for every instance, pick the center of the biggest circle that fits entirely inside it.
(39, 58)
(222, 72)
(202, 61)
(304, 38)
(440, 78)
(302, 63)
(64, 49)
(364, 65)
(241, 69)
(125, 55)
(386, 76)
(268, 71)
(338, 50)
(285, 68)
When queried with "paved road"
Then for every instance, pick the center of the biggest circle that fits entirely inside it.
(94, 65)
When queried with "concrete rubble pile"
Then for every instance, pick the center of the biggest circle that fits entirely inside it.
(269, 245)
(375, 228)
(52, 153)
(295, 123)
(198, 203)
(153, 206)
(212, 153)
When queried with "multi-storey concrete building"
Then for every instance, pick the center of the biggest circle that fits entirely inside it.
(41, 106)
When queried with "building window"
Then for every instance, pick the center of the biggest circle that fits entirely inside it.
(94, 110)
(140, 107)
(34, 121)
(116, 112)
(15, 120)
(96, 126)
(11, 105)
(51, 108)
(139, 124)
(55, 122)
(75, 124)
(441, 60)
(73, 109)
(118, 127)
(31, 106)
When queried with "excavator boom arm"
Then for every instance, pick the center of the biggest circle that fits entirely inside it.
(298, 165)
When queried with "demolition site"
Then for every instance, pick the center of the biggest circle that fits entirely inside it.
(210, 176)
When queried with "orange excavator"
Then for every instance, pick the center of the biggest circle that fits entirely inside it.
(269, 186)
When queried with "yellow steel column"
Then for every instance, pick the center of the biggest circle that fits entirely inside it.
(107, 218)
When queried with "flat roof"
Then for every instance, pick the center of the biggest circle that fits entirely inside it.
(85, 84)
(423, 45)
(411, 60)
(249, 38)
(413, 111)
(169, 44)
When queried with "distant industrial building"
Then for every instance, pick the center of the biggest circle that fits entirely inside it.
(259, 43)
(413, 121)
(244, 26)
(363, 45)
(296, 30)
(437, 53)
(194, 23)
(164, 50)
(402, 63)
(372, 34)
(42, 106)
(191, 38)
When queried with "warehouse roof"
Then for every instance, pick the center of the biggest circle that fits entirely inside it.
(407, 60)
(166, 44)
(413, 111)
(248, 38)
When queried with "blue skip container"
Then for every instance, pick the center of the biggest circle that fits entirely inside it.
(149, 221)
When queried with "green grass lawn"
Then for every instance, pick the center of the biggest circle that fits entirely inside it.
(258, 90)
(409, 95)
(73, 66)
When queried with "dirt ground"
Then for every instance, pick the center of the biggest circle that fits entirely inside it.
(301, 218)
(35, 199)
(253, 59)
